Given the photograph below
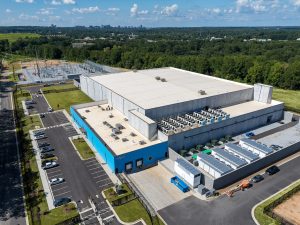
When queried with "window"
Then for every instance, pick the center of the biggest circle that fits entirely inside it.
(139, 163)
(128, 167)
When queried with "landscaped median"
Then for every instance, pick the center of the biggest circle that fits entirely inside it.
(128, 207)
(263, 210)
(36, 204)
(82, 147)
(63, 96)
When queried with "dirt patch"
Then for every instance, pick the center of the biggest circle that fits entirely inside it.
(290, 209)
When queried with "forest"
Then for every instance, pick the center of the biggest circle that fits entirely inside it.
(223, 52)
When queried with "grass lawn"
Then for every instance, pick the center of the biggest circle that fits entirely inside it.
(59, 214)
(59, 87)
(130, 211)
(259, 214)
(83, 148)
(63, 100)
(289, 97)
(12, 37)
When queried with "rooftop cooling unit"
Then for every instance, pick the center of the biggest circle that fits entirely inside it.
(111, 115)
(87, 111)
(157, 78)
(132, 134)
(201, 92)
(124, 139)
(163, 80)
(142, 142)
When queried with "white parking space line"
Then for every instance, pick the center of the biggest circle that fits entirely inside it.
(63, 193)
(90, 161)
(103, 179)
(99, 172)
(96, 168)
(59, 189)
(105, 185)
(99, 176)
(56, 175)
(92, 164)
(53, 171)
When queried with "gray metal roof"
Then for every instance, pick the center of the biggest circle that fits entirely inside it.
(188, 166)
(229, 158)
(257, 146)
(242, 152)
(214, 163)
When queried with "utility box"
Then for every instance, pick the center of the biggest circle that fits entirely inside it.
(187, 172)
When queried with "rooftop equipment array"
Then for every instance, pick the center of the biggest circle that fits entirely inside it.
(179, 123)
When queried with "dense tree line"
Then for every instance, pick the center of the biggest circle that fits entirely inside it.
(276, 62)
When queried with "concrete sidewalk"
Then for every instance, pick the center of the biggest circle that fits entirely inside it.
(43, 175)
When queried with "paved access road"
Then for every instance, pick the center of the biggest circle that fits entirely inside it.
(54, 118)
(228, 211)
(12, 209)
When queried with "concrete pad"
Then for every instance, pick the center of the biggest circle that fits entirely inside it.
(154, 183)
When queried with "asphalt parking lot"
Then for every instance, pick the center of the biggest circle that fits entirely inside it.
(54, 118)
(84, 179)
(41, 105)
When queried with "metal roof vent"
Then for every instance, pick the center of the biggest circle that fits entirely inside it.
(124, 139)
(111, 115)
(163, 80)
(157, 77)
(87, 111)
(201, 92)
(132, 134)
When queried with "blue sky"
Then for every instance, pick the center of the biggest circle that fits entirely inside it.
(156, 13)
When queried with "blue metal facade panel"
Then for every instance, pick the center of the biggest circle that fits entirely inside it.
(149, 155)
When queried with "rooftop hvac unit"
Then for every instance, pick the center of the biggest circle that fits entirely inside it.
(116, 138)
(163, 80)
(157, 78)
(201, 92)
(111, 115)
(125, 119)
(132, 134)
(87, 111)
(120, 126)
(116, 131)
(142, 142)
(124, 139)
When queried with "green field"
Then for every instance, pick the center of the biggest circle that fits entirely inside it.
(132, 210)
(64, 99)
(289, 97)
(259, 214)
(83, 148)
(12, 37)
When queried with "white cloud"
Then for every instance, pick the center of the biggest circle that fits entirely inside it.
(65, 2)
(86, 10)
(170, 10)
(134, 9)
(256, 5)
(25, 1)
(143, 12)
(23, 16)
(113, 9)
(296, 2)
(8, 11)
(45, 11)
(216, 10)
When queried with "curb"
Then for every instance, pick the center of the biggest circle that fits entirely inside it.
(254, 207)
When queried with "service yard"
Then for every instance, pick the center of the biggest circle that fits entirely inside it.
(290, 209)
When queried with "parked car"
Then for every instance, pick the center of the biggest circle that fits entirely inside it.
(55, 181)
(42, 136)
(46, 149)
(29, 107)
(49, 165)
(61, 201)
(43, 144)
(38, 133)
(39, 92)
(257, 178)
(50, 109)
(249, 134)
(42, 115)
(29, 102)
(47, 155)
(272, 170)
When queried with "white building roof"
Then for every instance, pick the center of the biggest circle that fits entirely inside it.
(143, 89)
